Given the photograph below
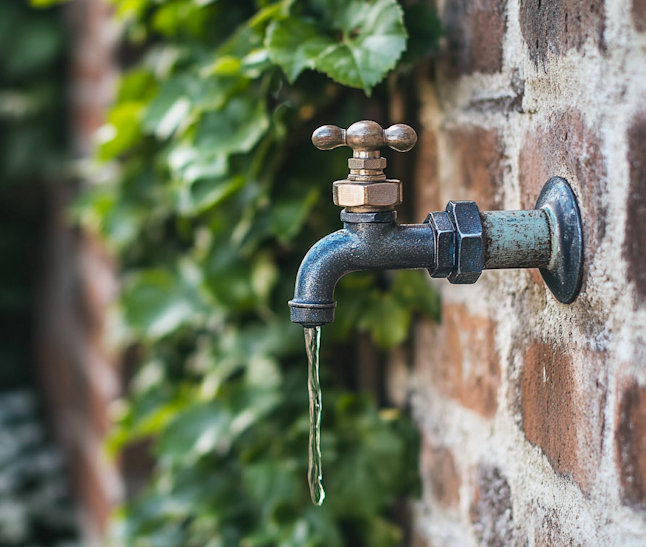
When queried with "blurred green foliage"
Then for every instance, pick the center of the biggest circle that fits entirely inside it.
(35, 506)
(31, 84)
(207, 194)
(32, 148)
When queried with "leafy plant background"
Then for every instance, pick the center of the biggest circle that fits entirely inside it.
(35, 502)
(210, 193)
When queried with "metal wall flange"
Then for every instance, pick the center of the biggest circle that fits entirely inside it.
(564, 273)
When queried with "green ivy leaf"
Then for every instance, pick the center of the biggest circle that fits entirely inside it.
(372, 38)
(100, 209)
(425, 30)
(237, 127)
(188, 164)
(289, 215)
(168, 109)
(204, 193)
(295, 44)
(387, 320)
(368, 456)
(214, 425)
(45, 3)
(156, 302)
(122, 130)
(413, 290)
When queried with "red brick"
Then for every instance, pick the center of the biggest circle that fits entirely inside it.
(440, 472)
(630, 444)
(491, 511)
(566, 146)
(562, 408)
(461, 357)
(420, 541)
(477, 156)
(86, 475)
(475, 31)
(92, 67)
(635, 239)
(96, 411)
(552, 27)
(639, 14)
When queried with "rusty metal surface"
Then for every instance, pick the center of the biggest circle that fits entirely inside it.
(516, 239)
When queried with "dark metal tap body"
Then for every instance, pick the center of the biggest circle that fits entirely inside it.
(367, 242)
(457, 243)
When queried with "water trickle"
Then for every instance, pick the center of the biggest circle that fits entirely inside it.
(315, 470)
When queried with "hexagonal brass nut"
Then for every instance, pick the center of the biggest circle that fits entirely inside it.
(469, 245)
(367, 163)
(444, 233)
(349, 193)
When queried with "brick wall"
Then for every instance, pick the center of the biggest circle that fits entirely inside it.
(78, 372)
(533, 413)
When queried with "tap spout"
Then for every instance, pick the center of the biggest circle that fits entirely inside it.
(359, 246)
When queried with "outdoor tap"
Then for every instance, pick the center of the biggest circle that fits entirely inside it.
(457, 243)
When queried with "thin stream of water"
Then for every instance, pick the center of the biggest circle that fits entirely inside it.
(315, 469)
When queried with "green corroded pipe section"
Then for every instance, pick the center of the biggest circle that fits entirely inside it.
(516, 239)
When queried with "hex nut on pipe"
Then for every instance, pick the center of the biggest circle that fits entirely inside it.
(469, 244)
(444, 234)
(379, 195)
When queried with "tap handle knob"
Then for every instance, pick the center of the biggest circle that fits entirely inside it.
(365, 136)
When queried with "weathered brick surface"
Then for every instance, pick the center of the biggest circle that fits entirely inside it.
(630, 443)
(461, 358)
(561, 413)
(556, 26)
(566, 145)
(438, 469)
(87, 477)
(635, 239)
(420, 541)
(548, 531)
(543, 402)
(491, 511)
(639, 14)
(427, 195)
(93, 70)
(475, 31)
(478, 156)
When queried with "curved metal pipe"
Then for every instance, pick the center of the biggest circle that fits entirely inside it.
(358, 247)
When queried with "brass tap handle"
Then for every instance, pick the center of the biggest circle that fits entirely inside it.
(365, 138)
(366, 188)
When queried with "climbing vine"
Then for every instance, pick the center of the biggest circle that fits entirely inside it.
(210, 193)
